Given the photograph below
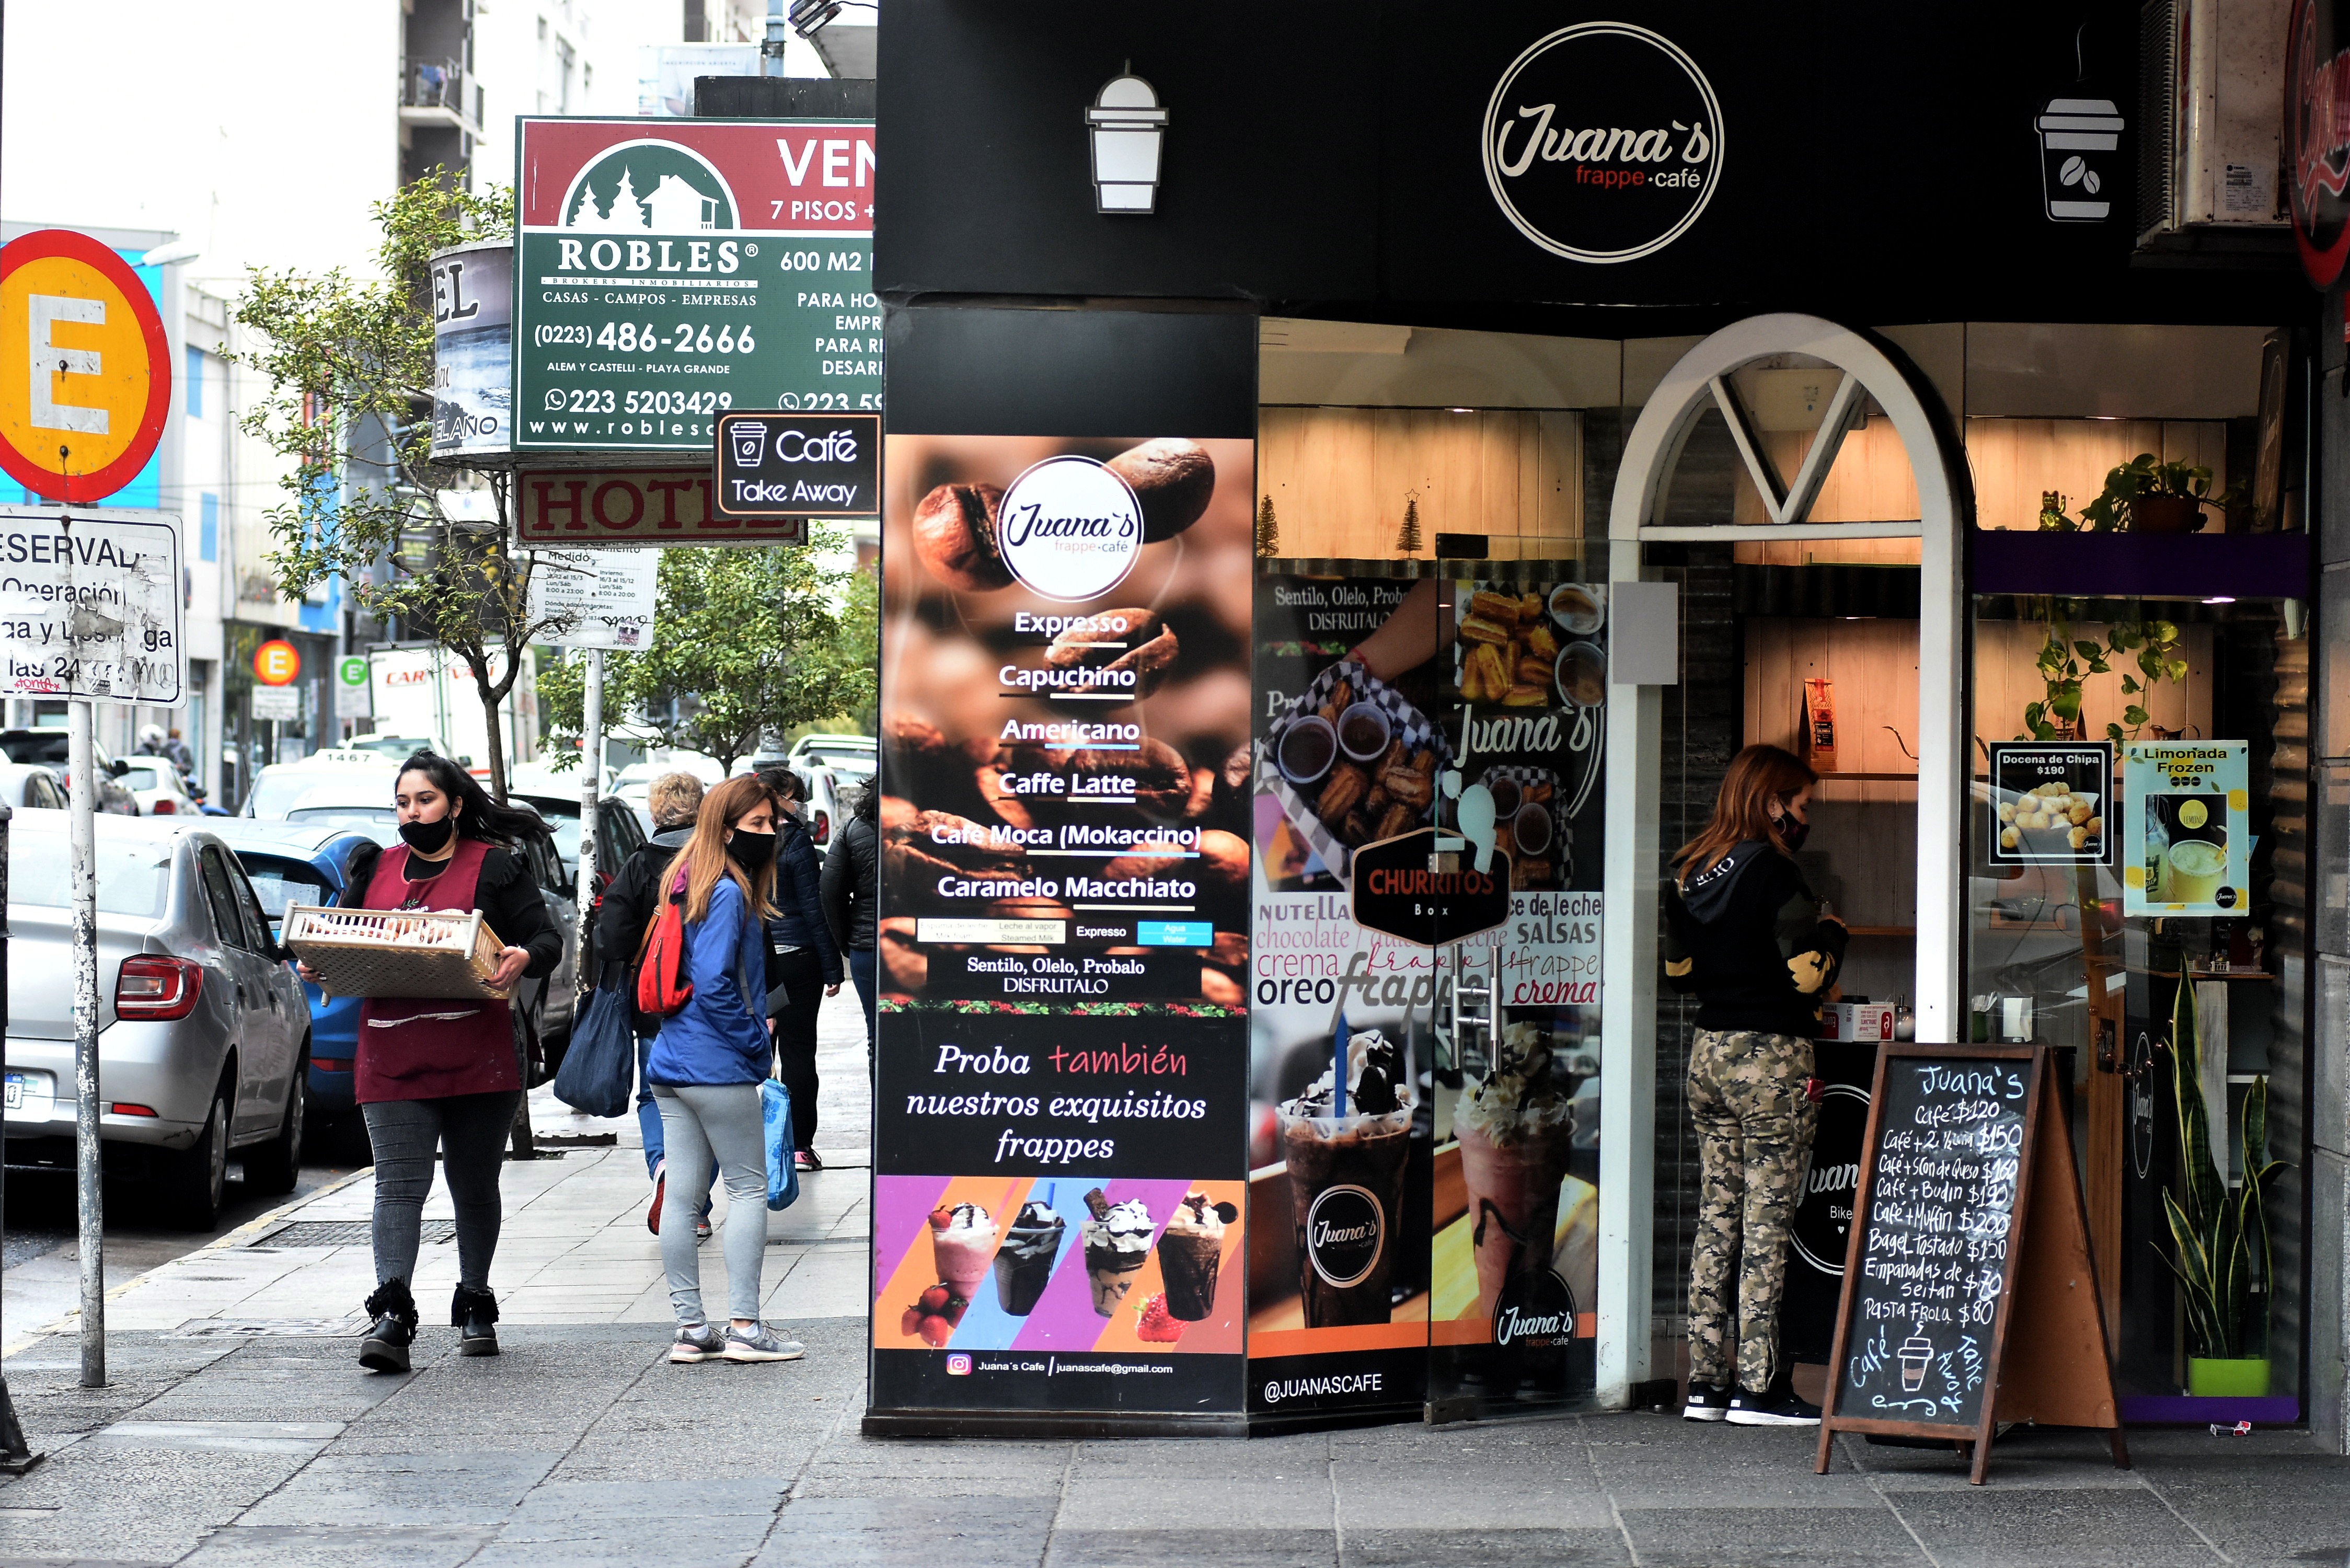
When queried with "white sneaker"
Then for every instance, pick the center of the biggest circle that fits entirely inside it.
(759, 1343)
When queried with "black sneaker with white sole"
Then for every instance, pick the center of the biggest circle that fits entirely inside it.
(1779, 1408)
(1706, 1401)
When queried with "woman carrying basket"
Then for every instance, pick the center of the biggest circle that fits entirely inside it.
(443, 1072)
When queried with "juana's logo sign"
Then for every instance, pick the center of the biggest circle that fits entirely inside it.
(1345, 1232)
(2317, 139)
(1069, 528)
(1603, 142)
(1821, 1231)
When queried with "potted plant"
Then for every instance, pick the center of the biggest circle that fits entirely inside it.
(2222, 1237)
(2064, 662)
(2147, 495)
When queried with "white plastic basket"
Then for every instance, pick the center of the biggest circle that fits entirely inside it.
(395, 952)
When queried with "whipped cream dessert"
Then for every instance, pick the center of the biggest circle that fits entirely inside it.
(963, 1243)
(1118, 1240)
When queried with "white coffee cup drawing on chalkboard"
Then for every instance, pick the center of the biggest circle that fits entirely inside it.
(1917, 1354)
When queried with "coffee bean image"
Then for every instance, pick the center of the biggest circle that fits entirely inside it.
(954, 533)
(1174, 479)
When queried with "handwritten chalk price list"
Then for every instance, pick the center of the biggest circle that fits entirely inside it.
(1934, 1256)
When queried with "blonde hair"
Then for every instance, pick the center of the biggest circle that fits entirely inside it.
(704, 858)
(674, 800)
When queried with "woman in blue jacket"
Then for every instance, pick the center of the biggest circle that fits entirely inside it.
(803, 961)
(707, 1063)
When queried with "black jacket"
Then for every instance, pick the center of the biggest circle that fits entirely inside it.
(852, 885)
(799, 920)
(627, 902)
(1746, 937)
(506, 894)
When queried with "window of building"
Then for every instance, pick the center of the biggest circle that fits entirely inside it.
(208, 528)
(195, 383)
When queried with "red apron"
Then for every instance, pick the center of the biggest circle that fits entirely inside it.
(421, 1048)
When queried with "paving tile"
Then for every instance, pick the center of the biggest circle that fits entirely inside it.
(448, 1486)
(339, 1546)
(1373, 1495)
(1482, 1548)
(974, 1532)
(1808, 1537)
(2021, 1528)
(1215, 1547)
(1266, 1502)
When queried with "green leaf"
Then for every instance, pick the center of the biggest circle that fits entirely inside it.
(2130, 685)
(2134, 716)
(2113, 733)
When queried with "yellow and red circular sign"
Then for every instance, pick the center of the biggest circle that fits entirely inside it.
(276, 663)
(85, 369)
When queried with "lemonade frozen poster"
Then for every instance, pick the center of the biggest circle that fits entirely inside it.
(2189, 848)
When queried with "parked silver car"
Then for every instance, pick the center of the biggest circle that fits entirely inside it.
(203, 1029)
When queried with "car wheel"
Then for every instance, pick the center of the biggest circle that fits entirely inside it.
(276, 1166)
(202, 1170)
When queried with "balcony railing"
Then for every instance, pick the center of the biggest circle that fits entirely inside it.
(439, 84)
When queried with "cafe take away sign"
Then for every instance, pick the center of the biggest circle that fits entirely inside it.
(85, 368)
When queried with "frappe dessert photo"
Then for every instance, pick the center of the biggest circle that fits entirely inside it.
(963, 1243)
(1189, 1252)
(1118, 1241)
(1023, 1265)
(1516, 1130)
(1345, 1156)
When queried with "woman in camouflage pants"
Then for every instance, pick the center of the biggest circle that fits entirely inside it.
(1746, 935)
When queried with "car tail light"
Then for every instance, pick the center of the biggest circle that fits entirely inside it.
(125, 1108)
(823, 834)
(166, 808)
(331, 1063)
(152, 986)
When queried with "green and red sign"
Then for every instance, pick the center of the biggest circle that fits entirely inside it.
(660, 281)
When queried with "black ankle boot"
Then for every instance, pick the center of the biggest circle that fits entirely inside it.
(385, 1349)
(475, 1314)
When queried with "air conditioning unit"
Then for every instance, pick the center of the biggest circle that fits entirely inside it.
(2211, 107)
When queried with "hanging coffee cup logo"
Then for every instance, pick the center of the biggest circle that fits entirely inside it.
(1603, 142)
(1343, 1233)
(1069, 528)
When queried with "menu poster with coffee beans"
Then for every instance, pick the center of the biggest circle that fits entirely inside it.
(1514, 1255)
(2186, 839)
(1061, 1055)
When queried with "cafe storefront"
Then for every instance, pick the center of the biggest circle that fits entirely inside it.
(1331, 557)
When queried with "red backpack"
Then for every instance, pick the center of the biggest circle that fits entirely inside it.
(662, 990)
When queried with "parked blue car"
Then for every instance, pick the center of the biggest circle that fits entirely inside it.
(304, 863)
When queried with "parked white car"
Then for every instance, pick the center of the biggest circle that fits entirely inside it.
(158, 787)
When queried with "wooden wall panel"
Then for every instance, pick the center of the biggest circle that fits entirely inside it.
(1339, 478)
(1874, 664)
(2007, 678)
(2015, 460)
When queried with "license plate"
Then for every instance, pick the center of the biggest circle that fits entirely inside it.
(15, 1097)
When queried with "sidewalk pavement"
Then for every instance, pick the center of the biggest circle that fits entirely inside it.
(239, 1430)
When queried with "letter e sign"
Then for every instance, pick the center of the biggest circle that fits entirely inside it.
(85, 369)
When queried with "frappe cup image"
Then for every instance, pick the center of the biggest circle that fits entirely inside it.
(1516, 1130)
(1117, 1241)
(1345, 1184)
(1917, 1354)
(1190, 1250)
(962, 1244)
(1023, 1265)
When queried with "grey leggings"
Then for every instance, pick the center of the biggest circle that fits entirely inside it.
(471, 1131)
(700, 1122)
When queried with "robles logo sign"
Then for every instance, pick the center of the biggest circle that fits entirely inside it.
(1069, 528)
(1603, 142)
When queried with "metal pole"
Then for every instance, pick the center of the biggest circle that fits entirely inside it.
(591, 792)
(17, 1457)
(80, 715)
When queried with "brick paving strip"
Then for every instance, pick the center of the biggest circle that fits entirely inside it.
(219, 1443)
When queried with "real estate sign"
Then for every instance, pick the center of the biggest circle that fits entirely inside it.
(661, 280)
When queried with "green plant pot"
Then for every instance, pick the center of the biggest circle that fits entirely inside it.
(2165, 514)
(2209, 1377)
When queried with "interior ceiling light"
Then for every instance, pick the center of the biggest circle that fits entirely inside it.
(2223, 599)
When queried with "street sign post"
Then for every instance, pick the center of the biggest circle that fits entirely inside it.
(90, 608)
(663, 280)
(353, 688)
(276, 663)
(276, 704)
(778, 463)
(86, 418)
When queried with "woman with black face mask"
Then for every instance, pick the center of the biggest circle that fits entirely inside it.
(442, 1073)
(707, 1063)
(1745, 932)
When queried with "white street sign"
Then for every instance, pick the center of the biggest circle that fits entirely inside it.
(353, 691)
(611, 592)
(90, 606)
(281, 702)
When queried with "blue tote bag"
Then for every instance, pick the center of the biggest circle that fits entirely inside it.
(601, 1067)
(782, 1170)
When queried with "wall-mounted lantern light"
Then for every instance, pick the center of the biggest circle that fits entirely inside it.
(1127, 125)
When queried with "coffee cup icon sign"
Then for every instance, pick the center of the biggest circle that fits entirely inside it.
(1917, 1354)
(2080, 142)
(750, 439)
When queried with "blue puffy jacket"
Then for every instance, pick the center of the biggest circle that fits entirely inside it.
(717, 1038)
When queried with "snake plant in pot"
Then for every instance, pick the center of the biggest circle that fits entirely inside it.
(2221, 1238)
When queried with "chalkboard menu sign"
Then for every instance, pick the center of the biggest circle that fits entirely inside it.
(1970, 1297)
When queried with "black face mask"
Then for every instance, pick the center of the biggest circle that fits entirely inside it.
(1791, 832)
(428, 836)
(751, 850)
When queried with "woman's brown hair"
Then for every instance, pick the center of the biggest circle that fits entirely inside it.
(1757, 776)
(704, 858)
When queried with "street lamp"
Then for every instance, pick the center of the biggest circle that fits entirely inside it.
(1127, 125)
